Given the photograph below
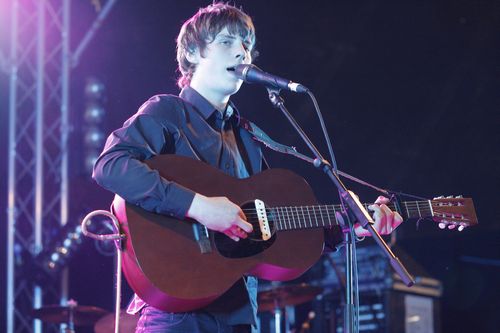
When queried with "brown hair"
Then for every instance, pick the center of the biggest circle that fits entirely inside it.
(201, 30)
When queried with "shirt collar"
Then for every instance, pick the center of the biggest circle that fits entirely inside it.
(204, 107)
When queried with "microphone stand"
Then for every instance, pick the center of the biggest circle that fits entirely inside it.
(355, 208)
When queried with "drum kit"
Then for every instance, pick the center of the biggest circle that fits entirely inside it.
(80, 315)
(272, 300)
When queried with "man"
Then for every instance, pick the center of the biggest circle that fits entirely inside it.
(202, 124)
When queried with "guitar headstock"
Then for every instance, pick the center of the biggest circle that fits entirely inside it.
(454, 212)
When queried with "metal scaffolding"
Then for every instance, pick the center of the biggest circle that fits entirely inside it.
(39, 66)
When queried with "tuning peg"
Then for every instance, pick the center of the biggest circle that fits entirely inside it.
(459, 197)
(442, 225)
(461, 227)
(449, 197)
(451, 226)
(440, 197)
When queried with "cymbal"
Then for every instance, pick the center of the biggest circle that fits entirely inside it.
(107, 323)
(286, 295)
(82, 315)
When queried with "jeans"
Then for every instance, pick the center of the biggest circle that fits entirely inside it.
(155, 321)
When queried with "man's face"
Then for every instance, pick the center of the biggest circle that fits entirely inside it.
(211, 75)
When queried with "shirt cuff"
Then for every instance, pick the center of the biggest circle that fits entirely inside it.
(179, 199)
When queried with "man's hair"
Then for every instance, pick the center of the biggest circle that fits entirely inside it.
(203, 27)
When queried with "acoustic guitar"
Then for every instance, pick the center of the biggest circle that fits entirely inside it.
(179, 265)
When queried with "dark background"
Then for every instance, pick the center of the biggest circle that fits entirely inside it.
(409, 91)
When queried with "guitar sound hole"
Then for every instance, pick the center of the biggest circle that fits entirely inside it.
(250, 246)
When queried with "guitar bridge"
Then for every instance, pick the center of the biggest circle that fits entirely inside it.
(260, 209)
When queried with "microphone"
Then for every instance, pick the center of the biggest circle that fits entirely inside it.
(253, 74)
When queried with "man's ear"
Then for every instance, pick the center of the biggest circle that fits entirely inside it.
(193, 56)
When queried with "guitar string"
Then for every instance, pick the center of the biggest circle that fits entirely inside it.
(324, 214)
(327, 210)
(299, 220)
(335, 208)
(409, 205)
(417, 206)
(413, 209)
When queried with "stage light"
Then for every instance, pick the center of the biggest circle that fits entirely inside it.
(94, 138)
(55, 257)
(93, 134)
(94, 89)
(94, 113)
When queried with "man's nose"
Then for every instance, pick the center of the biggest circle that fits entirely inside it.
(242, 51)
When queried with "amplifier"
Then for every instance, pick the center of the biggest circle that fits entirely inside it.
(386, 304)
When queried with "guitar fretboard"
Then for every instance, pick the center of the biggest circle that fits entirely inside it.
(316, 216)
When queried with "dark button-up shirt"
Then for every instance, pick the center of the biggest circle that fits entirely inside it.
(192, 127)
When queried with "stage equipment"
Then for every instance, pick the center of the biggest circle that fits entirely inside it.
(55, 258)
(253, 74)
(72, 314)
(39, 66)
(277, 299)
(107, 323)
(93, 136)
(117, 238)
(286, 295)
(387, 305)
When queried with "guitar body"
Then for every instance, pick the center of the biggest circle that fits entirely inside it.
(162, 260)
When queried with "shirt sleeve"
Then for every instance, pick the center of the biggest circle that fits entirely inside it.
(120, 168)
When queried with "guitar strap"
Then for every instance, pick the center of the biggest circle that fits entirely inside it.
(260, 136)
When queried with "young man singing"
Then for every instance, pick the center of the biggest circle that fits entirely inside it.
(203, 124)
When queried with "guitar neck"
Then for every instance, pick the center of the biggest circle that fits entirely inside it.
(317, 216)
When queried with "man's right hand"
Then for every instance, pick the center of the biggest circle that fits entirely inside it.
(220, 214)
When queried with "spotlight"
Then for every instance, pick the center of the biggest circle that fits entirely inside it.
(94, 89)
(94, 138)
(94, 113)
(51, 261)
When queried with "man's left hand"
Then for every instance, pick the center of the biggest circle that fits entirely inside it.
(385, 219)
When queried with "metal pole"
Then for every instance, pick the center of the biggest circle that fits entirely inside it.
(65, 76)
(91, 32)
(11, 202)
(39, 145)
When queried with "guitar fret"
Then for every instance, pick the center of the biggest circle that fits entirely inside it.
(309, 215)
(328, 215)
(298, 217)
(303, 218)
(334, 214)
(278, 218)
(315, 216)
(418, 208)
(430, 207)
(283, 217)
(288, 217)
(293, 217)
(321, 215)
(407, 211)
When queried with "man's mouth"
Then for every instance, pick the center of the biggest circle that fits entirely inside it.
(230, 69)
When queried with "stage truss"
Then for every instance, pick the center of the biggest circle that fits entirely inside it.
(38, 64)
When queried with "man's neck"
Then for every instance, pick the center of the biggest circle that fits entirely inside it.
(218, 101)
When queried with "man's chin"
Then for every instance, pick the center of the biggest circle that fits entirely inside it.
(233, 89)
